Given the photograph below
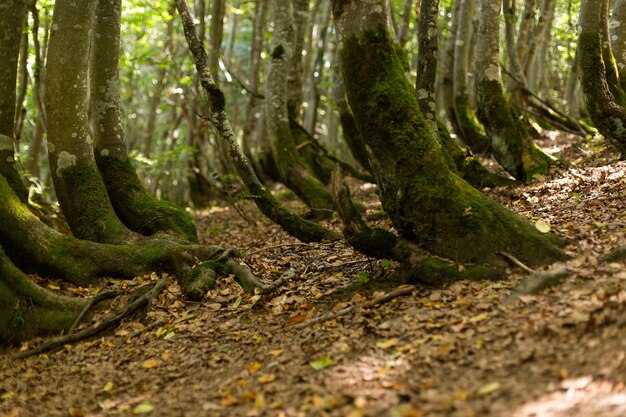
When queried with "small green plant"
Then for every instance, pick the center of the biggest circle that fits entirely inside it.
(363, 277)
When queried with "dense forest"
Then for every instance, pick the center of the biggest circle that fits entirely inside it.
(395, 184)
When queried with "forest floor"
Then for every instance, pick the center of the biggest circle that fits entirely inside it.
(455, 350)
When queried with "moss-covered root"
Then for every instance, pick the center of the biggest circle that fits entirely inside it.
(416, 264)
(29, 310)
(137, 209)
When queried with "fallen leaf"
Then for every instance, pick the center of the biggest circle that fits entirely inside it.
(542, 226)
(151, 363)
(480, 317)
(253, 367)
(75, 412)
(489, 388)
(293, 320)
(322, 363)
(143, 408)
(386, 344)
(266, 378)
(275, 352)
(107, 387)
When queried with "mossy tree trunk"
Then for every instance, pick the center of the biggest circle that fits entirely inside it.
(510, 140)
(618, 39)
(12, 13)
(608, 116)
(426, 202)
(133, 205)
(292, 169)
(77, 182)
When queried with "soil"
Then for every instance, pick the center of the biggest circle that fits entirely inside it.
(455, 351)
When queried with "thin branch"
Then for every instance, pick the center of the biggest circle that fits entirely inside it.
(105, 295)
(113, 321)
(516, 261)
(277, 246)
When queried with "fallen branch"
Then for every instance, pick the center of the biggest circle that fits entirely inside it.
(105, 295)
(113, 321)
(277, 246)
(270, 288)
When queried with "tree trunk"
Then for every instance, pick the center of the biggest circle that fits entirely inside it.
(448, 68)
(292, 170)
(610, 65)
(12, 14)
(427, 62)
(608, 116)
(471, 130)
(218, 10)
(255, 67)
(77, 182)
(510, 141)
(133, 205)
(618, 39)
(426, 202)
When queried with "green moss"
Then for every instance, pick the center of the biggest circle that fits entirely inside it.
(471, 128)
(87, 207)
(137, 209)
(510, 139)
(427, 203)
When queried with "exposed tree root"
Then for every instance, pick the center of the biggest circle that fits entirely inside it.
(417, 265)
(538, 282)
(141, 302)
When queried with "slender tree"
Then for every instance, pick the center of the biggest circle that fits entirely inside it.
(12, 13)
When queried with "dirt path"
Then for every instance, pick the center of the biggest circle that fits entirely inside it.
(450, 351)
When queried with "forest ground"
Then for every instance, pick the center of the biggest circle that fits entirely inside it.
(455, 350)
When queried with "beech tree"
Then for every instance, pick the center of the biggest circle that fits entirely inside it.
(427, 203)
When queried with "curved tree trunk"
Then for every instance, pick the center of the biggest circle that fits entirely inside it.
(292, 170)
(510, 141)
(77, 182)
(606, 113)
(12, 13)
(426, 202)
(133, 205)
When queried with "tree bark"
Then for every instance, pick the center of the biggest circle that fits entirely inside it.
(471, 130)
(12, 14)
(618, 39)
(80, 190)
(608, 116)
(133, 205)
(292, 170)
(427, 203)
(510, 141)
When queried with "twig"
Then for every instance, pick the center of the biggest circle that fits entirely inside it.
(332, 266)
(150, 326)
(258, 242)
(113, 321)
(105, 295)
(277, 246)
(398, 292)
(516, 261)
(269, 288)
